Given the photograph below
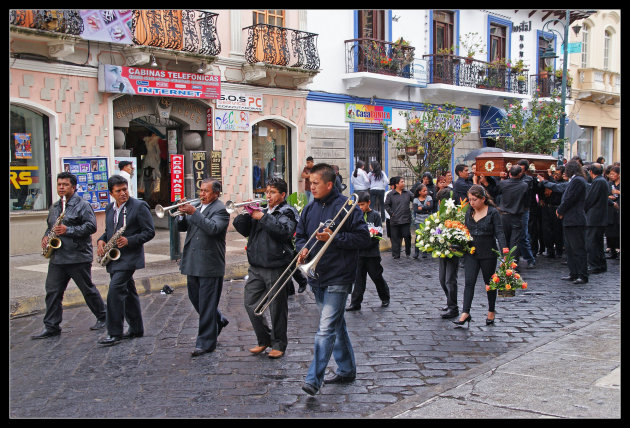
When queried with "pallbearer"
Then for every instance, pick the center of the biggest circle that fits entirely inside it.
(70, 224)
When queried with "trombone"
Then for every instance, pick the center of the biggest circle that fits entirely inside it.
(160, 210)
(307, 268)
(230, 206)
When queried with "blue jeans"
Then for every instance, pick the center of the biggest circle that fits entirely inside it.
(332, 335)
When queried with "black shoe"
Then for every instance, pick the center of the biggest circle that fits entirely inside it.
(199, 351)
(110, 340)
(489, 321)
(221, 325)
(424, 255)
(46, 333)
(397, 258)
(580, 281)
(569, 278)
(613, 256)
(353, 308)
(445, 308)
(594, 271)
(466, 320)
(302, 288)
(99, 325)
(130, 335)
(309, 389)
(335, 378)
(450, 314)
(385, 303)
(415, 256)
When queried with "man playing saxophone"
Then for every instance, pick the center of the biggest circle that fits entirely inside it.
(71, 260)
(335, 275)
(122, 297)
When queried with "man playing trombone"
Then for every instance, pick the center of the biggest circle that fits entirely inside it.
(269, 252)
(333, 280)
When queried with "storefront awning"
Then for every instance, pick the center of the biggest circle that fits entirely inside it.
(488, 125)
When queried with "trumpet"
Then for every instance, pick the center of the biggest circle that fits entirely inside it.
(160, 210)
(307, 268)
(230, 206)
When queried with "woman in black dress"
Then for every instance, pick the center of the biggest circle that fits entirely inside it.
(484, 224)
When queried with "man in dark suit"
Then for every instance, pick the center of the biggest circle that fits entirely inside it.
(269, 251)
(512, 193)
(73, 260)
(122, 298)
(462, 184)
(203, 261)
(596, 208)
(571, 211)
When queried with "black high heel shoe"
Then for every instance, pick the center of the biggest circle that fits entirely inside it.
(467, 319)
(489, 321)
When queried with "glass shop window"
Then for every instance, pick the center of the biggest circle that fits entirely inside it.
(270, 154)
(29, 170)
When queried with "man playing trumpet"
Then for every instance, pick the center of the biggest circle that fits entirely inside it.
(334, 278)
(269, 252)
(73, 259)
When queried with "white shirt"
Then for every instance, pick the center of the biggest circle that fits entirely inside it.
(130, 186)
(361, 181)
(382, 184)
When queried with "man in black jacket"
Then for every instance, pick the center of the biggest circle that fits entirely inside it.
(553, 188)
(462, 184)
(123, 302)
(269, 252)
(512, 193)
(73, 260)
(596, 208)
(397, 206)
(571, 211)
(369, 258)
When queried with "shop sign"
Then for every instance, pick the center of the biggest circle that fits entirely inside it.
(209, 121)
(21, 175)
(177, 177)
(215, 164)
(231, 120)
(162, 83)
(92, 177)
(239, 101)
(363, 113)
(199, 168)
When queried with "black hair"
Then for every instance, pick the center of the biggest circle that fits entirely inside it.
(427, 174)
(376, 170)
(325, 171)
(443, 194)
(478, 191)
(310, 158)
(596, 168)
(523, 162)
(69, 176)
(279, 184)
(572, 168)
(459, 168)
(578, 159)
(360, 164)
(217, 187)
(515, 170)
(364, 197)
(116, 180)
(600, 160)
(419, 187)
(394, 180)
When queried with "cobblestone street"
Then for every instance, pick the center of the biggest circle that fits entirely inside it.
(400, 350)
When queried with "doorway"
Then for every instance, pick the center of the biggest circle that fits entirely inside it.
(368, 146)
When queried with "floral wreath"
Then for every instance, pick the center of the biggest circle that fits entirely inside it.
(489, 166)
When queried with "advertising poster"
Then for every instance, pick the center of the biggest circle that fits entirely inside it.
(177, 177)
(23, 145)
(199, 168)
(144, 81)
(107, 25)
(215, 164)
(92, 177)
(231, 120)
(363, 113)
(239, 101)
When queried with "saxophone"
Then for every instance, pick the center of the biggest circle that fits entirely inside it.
(111, 252)
(54, 242)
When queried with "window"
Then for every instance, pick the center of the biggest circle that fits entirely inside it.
(497, 42)
(29, 171)
(585, 145)
(270, 17)
(585, 39)
(607, 44)
(443, 22)
(372, 24)
(606, 148)
(270, 154)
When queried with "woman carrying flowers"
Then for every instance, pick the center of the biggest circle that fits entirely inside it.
(484, 224)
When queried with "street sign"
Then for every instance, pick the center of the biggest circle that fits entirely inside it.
(575, 47)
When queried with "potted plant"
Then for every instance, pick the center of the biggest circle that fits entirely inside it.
(545, 73)
(506, 280)
(473, 44)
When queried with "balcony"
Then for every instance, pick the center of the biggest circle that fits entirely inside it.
(601, 86)
(547, 84)
(279, 56)
(471, 73)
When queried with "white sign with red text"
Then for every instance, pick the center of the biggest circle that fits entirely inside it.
(177, 177)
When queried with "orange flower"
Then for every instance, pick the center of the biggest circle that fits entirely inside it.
(508, 286)
(508, 272)
(506, 250)
(487, 288)
(495, 279)
(513, 265)
(524, 285)
(517, 276)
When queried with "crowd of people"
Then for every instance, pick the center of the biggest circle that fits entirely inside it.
(571, 212)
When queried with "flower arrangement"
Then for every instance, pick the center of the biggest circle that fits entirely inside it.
(375, 232)
(298, 200)
(506, 278)
(443, 234)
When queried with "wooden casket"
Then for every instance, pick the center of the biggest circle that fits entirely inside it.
(494, 163)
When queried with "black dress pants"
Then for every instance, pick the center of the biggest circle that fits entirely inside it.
(595, 251)
(448, 281)
(123, 304)
(56, 283)
(574, 239)
(369, 266)
(472, 265)
(204, 293)
(400, 232)
(513, 230)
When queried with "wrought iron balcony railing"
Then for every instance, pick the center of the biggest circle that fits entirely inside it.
(462, 71)
(547, 84)
(187, 30)
(281, 46)
(378, 56)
